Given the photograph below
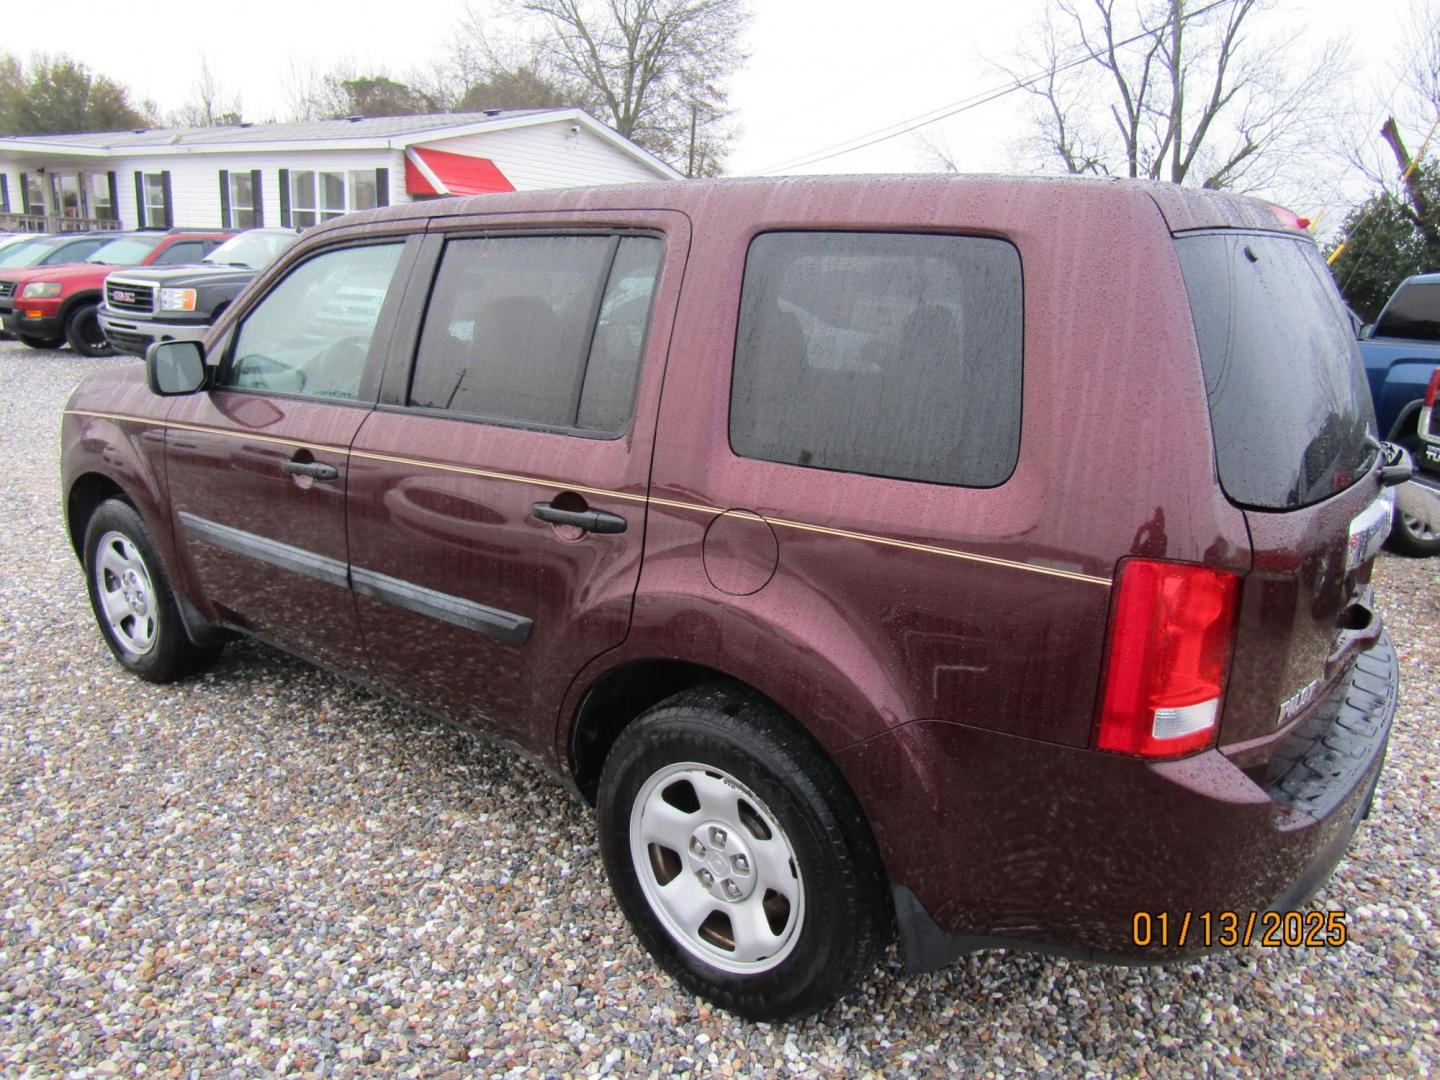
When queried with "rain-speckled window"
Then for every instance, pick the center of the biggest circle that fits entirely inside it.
(890, 354)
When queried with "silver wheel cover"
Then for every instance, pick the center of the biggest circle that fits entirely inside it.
(126, 593)
(716, 868)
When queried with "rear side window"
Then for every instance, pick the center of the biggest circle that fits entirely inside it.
(542, 330)
(1413, 312)
(1288, 401)
(882, 353)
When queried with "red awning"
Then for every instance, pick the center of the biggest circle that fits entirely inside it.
(439, 172)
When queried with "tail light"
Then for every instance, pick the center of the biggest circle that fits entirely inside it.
(1432, 389)
(1170, 640)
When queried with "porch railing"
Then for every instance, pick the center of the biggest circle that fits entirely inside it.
(48, 223)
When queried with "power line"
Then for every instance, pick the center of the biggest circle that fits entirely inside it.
(984, 97)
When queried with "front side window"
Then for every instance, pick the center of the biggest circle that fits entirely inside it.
(1413, 312)
(311, 334)
(881, 353)
(182, 254)
(542, 330)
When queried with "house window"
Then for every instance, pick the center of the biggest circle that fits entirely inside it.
(34, 194)
(97, 190)
(363, 190)
(157, 200)
(65, 195)
(242, 201)
(332, 195)
(302, 199)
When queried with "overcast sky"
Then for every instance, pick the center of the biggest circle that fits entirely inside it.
(820, 72)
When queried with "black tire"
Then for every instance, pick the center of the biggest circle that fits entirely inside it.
(842, 917)
(168, 653)
(42, 343)
(1410, 537)
(84, 333)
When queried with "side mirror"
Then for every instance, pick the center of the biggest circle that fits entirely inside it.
(1367, 331)
(173, 368)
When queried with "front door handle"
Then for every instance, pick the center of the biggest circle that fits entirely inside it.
(316, 470)
(597, 521)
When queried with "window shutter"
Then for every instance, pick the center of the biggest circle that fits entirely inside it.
(224, 198)
(24, 193)
(5, 192)
(169, 200)
(114, 196)
(258, 190)
(382, 187)
(285, 197)
(140, 198)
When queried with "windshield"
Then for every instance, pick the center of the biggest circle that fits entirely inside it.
(127, 251)
(28, 253)
(255, 250)
(1288, 400)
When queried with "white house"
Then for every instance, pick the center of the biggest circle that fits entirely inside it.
(298, 174)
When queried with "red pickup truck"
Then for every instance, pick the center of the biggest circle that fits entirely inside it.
(46, 306)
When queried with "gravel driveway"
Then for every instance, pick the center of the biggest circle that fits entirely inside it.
(267, 871)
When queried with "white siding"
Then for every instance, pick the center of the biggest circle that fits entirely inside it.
(195, 179)
(550, 156)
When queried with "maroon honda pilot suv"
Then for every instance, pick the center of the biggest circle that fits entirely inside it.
(980, 560)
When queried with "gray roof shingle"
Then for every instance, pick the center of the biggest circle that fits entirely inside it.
(371, 127)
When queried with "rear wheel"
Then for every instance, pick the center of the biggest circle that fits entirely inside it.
(1410, 535)
(42, 343)
(83, 331)
(131, 596)
(740, 856)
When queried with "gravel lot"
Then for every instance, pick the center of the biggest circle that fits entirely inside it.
(267, 871)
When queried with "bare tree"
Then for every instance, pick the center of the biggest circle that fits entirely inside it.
(657, 68)
(210, 104)
(1179, 91)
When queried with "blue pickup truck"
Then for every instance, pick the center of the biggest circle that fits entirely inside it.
(1400, 351)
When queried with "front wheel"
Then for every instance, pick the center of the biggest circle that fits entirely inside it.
(85, 334)
(740, 856)
(132, 600)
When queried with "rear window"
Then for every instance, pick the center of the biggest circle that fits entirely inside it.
(1413, 312)
(1288, 400)
(888, 354)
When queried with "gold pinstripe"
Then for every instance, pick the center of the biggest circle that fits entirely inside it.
(669, 504)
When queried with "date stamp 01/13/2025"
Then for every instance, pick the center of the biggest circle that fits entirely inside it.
(1238, 929)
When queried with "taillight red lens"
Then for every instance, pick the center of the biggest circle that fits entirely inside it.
(1433, 388)
(1170, 643)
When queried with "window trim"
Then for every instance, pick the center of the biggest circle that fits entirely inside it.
(427, 273)
(881, 231)
(390, 313)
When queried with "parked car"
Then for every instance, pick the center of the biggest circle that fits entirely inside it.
(869, 622)
(178, 303)
(47, 305)
(40, 249)
(1401, 352)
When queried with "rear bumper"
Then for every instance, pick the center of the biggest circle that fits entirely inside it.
(136, 335)
(993, 841)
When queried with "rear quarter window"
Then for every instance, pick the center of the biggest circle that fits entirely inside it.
(1289, 405)
(887, 354)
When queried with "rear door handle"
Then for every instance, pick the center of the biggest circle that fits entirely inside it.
(316, 470)
(597, 521)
